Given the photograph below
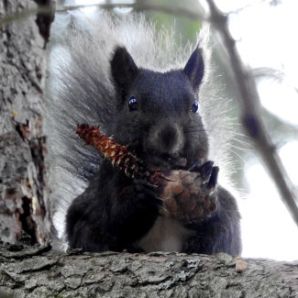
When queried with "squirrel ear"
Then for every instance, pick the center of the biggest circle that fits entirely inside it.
(194, 68)
(124, 69)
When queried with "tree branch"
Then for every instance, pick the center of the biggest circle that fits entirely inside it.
(111, 274)
(250, 112)
(172, 10)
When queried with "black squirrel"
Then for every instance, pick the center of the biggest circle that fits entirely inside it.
(157, 115)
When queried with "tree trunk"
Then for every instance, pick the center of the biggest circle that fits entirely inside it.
(37, 272)
(22, 142)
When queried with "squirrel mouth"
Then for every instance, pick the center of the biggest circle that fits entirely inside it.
(166, 161)
(155, 159)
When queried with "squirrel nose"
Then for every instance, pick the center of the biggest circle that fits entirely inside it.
(169, 138)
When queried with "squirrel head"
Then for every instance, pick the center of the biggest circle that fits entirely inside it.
(159, 113)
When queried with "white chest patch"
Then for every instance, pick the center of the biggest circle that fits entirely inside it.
(166, 235)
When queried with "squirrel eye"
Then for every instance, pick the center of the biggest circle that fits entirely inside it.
(195, 107)
(132, 103)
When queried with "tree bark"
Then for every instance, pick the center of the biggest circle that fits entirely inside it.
(22, 142)
(38, 272)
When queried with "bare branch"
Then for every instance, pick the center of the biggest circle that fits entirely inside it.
(173, 10)
(250, 108)
(182, 11)
(278, 75)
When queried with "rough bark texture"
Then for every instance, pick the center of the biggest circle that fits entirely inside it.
(37, 272)
(22, 143)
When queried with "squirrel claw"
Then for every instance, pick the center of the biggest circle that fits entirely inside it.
(206, 169)
(213, 178)
(195, 167)
(144, 184)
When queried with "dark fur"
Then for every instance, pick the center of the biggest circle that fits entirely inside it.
(114, 212)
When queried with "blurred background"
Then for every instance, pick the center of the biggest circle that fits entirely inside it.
(265, 33)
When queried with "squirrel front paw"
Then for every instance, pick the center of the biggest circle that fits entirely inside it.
(141, 193)
(190, 196)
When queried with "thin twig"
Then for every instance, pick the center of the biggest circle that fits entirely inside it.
(172, 10)
(250, 112)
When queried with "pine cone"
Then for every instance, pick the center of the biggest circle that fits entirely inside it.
(187, 197)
